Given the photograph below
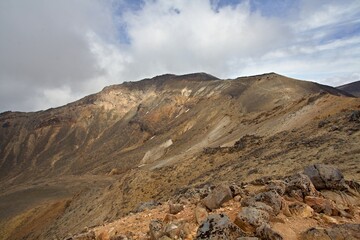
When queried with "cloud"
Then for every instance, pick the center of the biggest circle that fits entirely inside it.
(53, 52)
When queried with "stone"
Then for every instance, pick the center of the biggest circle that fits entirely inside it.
(265, 232)
(200, 214)
(355, 116)
(156, 229)
(119, 237)
(315, 233)
(169, 218)
(247, 238)
(270, 198)
(85, 236)
(172, 231)
(325, 177)
(299, 186)
(175, 208)
(322, 205)
(249, 218)
(278, 186)
(349, 231)
(217, 197)
(147, 205)
(218, 226)
(300, 209)
(328, 219)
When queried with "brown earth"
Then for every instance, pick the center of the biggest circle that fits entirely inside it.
(98, 158)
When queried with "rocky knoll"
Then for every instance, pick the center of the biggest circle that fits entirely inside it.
(294, 207)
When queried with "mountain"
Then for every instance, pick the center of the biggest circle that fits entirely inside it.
(351, 88)
(97, 159)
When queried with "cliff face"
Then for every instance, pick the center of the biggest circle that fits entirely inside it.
(137, 141)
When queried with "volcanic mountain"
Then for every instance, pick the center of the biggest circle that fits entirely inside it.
(96, 159)
(351, 88)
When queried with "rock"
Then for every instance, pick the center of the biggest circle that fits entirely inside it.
(322, 205)
(119, 237)
(156, 229)
(265, 232)
(328, 219)
(200, 214)
(315, 233)
(278, 186)
(338, 232)
(165, 238)
(236, 190)
(249, 218)
(325, 177)
(85, 236)
(247, 238)
(169, 218)
(147, 205)
(301, 210)
(344, 231)
(218, 226)
(175, 208)
(270, 198)
(172, 231)
(217, 197)
(355, 116)
(299, 186)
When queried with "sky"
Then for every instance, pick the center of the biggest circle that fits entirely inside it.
(54, 52)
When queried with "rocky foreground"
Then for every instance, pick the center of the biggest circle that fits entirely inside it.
(315, 204)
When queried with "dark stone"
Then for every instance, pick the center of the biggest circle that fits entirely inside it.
(218, 226)
(325, 177)
(270, 198)
(217, 197)
(175, 208)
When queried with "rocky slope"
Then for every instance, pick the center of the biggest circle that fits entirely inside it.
(98, 159)
(351, 88)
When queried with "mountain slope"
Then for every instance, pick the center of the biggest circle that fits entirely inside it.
(138, 141)
(351, 88)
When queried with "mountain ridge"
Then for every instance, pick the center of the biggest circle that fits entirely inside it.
(140, 141)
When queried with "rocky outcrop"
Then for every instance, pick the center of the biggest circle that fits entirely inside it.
(218, 226)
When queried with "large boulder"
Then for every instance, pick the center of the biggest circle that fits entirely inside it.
(217, 197)
(325, 177)
(218, 226)
(270, 198)
(299, 186)
(250, 218)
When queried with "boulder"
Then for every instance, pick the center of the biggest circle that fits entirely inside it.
(217, 197)
(218, 226)
(249, 218)
(175, 208)
(325, 177)
(322, 205)
(200, 214)
(270, 198)
(172, 231)
(299, 186)
(156, 229)
(265, 232)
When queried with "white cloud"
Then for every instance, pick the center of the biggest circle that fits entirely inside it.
(57, 51)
